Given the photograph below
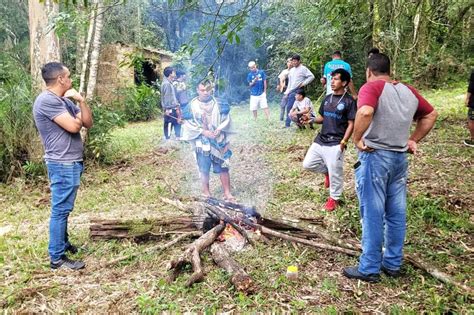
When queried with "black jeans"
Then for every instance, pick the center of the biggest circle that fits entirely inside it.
(171, 118)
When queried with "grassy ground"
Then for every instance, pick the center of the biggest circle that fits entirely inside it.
(266, 171)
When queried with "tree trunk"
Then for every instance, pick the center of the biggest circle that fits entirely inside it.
(376, 24)
(44, 44)
(94, 63)
(87, 47)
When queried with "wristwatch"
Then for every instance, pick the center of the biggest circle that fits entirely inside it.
(343, 142)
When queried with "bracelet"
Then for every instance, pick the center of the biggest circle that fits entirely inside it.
(343, 142)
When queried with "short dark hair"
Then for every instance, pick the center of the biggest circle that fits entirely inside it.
(296, 57)
(344, 74)
(180, 73)
(51, 71)
(372, 51)
(300, 92)
(337, 53)
(168, 71)
(205, 83)
(379, 64)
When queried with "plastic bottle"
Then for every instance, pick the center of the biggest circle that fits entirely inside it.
(292, 272)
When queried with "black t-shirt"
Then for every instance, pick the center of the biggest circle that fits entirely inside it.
(337, 110)
(470, 89)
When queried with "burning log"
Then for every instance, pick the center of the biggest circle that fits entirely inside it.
(192, 256)
(239, 278)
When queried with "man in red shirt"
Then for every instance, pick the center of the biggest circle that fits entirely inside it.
(385, 112)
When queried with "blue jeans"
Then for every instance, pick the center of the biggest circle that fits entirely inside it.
(289, 105)
(381, 180)
(64, 179)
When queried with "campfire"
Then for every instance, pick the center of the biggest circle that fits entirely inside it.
(226, 228)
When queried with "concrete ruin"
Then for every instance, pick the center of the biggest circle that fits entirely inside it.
(117, 71)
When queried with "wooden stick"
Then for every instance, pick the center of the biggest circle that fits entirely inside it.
(270, 232)
(412, 259)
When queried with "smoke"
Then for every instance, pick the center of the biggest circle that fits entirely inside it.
(215, 36)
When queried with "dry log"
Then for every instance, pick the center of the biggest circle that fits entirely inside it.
(140, 230)
(192, 256)
(239, 278)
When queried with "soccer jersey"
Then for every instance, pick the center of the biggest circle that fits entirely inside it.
(336, 110)
(258, 88)
(330, 67)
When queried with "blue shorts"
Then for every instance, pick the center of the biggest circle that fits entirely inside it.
(205, 162)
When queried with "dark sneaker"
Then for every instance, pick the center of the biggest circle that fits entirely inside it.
(72, 249)
(469, 142)
(391, 272)
(353, 273)
(67, 263)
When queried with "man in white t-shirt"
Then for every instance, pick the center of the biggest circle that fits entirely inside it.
(302, 112)
(282, 85)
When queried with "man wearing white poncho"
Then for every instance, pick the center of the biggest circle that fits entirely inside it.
(207, 126)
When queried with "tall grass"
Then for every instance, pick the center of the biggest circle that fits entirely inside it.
(19, 142)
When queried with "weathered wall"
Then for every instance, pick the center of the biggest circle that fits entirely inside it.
(113, 78)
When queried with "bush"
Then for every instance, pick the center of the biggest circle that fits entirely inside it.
(140, 103)
(99, 136)
(19, 141)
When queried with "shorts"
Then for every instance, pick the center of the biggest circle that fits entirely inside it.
(470, 113)
(258, 101)
(204, 163)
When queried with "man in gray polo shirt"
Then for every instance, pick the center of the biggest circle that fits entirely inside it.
(298, 77)
(59, 122)
(386, 110)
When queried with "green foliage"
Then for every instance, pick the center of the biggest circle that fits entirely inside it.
(34, 169)
(18, 137)
(140, 103)
(99, 136)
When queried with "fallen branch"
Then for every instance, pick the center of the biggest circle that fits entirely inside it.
(192, 256)
(415, 261)
(239, 278)
(436, 273)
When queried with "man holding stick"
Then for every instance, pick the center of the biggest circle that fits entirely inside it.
(385, 112)
(170, 105)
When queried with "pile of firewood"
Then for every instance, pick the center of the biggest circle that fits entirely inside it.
(208, 219)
